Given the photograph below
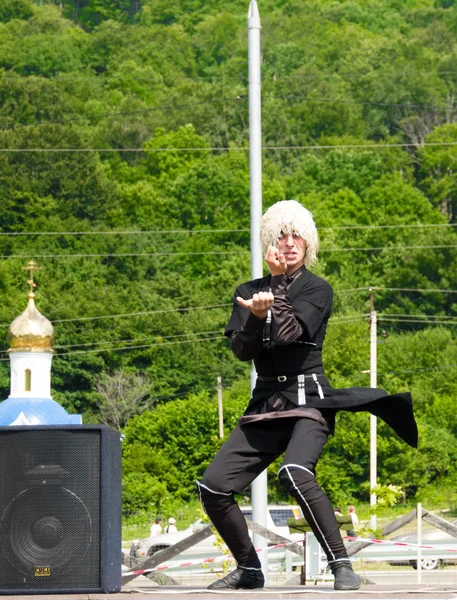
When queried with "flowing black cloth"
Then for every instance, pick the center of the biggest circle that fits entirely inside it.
(292, 345)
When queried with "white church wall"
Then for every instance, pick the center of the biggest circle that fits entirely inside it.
(39, 364)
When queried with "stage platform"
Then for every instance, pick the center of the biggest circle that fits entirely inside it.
(184, 592)
(308, 592)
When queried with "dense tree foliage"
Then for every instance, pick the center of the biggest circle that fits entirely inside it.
(124, 172)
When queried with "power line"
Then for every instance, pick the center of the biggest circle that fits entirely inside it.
(224, 305)
(163, 337)
(236, 148)
(350, 291)
(334, 320)
(126, 113)
(417, 316)
(139, 232)
(144, 313)
(422, 290)
(135, 314)
(124, 255)
(158, 345)
(219, 337)
(423, 321)
(348, 322)
(362, 103)
(237, 98)
(171, 310)
(192, 391)
(442, 368)
(355, 75)
(210, 231)
(392, 289)
(104, 78)
(341, 320)
(403, 226)
(344, 318)
(217, 253)
(108, 78)
(374, 248)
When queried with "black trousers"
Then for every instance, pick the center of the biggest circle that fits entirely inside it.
(246, 453)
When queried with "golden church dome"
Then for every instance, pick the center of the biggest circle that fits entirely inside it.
(31, 331)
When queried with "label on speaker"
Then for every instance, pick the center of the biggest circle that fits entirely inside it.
(42, 571)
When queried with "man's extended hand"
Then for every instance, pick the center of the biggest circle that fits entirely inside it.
(259, 304)
(276, 261)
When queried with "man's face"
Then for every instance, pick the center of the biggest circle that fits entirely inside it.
(294, 249)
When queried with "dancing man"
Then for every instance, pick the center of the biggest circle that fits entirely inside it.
(279, 321)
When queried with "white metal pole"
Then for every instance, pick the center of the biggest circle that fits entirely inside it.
(373, 420)
(220, 410)
(259, 486)
(419, 542)
(255, 138)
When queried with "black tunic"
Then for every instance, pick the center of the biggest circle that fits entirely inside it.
(291, 346)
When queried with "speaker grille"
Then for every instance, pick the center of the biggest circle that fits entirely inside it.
(50, 494)
(45, 527)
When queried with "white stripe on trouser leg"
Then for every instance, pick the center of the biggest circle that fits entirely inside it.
(286, 467)
(338, 560)
(200, 485)
(296, 467)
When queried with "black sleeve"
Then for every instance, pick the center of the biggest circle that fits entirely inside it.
(312, 305)
(244, 329)
(248, 341)
(285, 328)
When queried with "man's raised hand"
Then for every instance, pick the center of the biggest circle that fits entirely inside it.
(259, 304)
(276, 261)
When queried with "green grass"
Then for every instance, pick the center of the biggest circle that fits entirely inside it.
(137, 526)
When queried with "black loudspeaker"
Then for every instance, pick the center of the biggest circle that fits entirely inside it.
(60, 509)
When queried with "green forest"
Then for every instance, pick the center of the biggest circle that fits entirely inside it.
(124, 173)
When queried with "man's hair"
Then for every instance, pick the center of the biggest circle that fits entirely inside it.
(289, 217)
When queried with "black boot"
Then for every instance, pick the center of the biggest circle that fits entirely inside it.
(345, 578)
(241, 578)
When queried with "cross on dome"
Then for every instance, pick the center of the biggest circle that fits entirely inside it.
(32, 266)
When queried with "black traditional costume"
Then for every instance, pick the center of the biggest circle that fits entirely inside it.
(292, 411)
(290, 374)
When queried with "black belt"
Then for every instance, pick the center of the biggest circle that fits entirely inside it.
(283, 378)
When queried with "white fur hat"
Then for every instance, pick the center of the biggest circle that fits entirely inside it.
(289, 217)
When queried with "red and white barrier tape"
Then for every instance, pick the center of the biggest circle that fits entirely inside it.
(407, 544)
(218, 559)
(189, 563)
(215, 559)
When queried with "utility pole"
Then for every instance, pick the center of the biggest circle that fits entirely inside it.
(219, 407)
(259, 485)
(373, 419)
